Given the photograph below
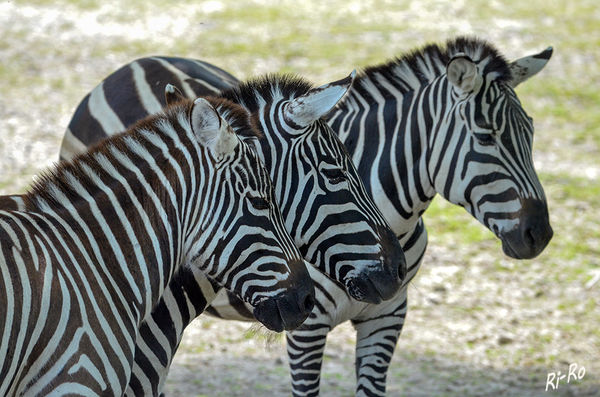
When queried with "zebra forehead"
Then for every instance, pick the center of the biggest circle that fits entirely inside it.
(422, 65)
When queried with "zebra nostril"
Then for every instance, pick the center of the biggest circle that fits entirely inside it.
(401, 272)
(309, 303)
(529, 237)
(496, 230)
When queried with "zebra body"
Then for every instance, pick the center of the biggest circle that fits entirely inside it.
(76, 282)
(413, 133)
(390, 121)
(441, 120)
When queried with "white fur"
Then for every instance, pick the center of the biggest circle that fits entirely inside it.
(317, 102)
(463, 74)
(211, 130)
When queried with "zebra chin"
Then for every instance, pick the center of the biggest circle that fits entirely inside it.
(532, 235)
(373, 286)
(284, 312)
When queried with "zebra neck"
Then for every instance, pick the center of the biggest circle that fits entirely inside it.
(124, 213)
(141, 252)
(388, 137)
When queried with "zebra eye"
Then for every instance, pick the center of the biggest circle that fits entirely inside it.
(335, 175)
(485, 139)
(259, 203)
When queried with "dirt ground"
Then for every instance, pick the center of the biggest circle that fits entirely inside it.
(440, 353)
(479, 324)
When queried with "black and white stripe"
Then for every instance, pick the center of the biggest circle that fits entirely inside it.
(413, 132)
(333, 221)
(439, 120)
(442, 119)
(325, 207)
(99, 238)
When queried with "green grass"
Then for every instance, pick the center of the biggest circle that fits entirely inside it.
(565, 186)
(443, 217)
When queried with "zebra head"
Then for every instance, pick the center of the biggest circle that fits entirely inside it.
(485, 163)
(332, 219)
(242, 244)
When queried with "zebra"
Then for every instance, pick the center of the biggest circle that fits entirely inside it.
(107, 231)
(333, 196)
(391, 107)
(470, 140)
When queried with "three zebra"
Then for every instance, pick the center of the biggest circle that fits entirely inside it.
(442, 119)
(102, 235)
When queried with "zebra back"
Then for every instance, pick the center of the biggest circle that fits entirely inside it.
(12, 203)
(137, 90)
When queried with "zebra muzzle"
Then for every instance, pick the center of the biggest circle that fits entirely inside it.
(383, 280)
(287, 311)
(533, 233)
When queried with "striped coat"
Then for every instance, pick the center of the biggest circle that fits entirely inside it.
(352, 242)
(107, 231)
(439, 120)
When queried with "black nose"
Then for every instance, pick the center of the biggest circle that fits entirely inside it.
(303, 298)
(537, 236)
(308, 303)
(532, 234)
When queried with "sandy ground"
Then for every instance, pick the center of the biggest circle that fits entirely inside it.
(442, 352)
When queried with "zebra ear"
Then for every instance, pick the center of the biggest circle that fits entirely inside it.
(211, 130)
(317, 102)
(172, 94)
(524, 68)
(462, 74)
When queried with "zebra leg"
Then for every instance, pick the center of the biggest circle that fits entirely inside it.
(376, 339)
(305, 347)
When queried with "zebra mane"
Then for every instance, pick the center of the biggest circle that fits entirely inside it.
(419, 67)
(58, 178)
(252, 92)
